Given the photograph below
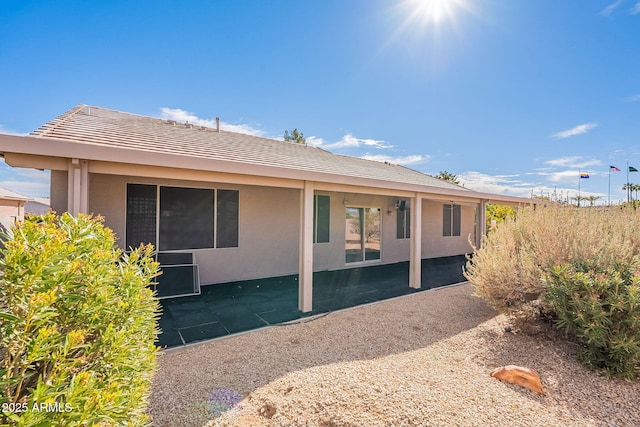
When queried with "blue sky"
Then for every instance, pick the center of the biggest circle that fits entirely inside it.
(512, 96)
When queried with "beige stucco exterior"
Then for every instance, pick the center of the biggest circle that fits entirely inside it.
(12, 208)
(269, 223)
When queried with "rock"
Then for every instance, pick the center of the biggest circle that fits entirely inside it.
(524, 377)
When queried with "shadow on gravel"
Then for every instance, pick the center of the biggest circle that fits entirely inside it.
(569, 387)
(244, 363)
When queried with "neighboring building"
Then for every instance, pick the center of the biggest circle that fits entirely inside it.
(11, 208)
(37, 206)
(247, 207)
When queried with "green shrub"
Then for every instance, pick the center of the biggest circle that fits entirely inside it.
(77, 326)
(600, 307)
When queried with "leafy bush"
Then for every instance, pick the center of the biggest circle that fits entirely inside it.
(600, 307)
(577, 266)
(77, 325)
(498, 213)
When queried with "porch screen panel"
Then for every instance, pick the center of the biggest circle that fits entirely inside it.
(186, 218)
(141, 215)
(403, 223)
(455, 231)
(321, 209)
(451, 220)
(446, 219)
(227, 219)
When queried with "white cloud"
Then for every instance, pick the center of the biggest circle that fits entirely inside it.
(567, 176)
(607, 10)
(348, 141)
(399, 160)
(512, 186)
(636, 97)
(583, 128)
(27, 188)
(497, 184)
(6, 131)
(635, 9)
(573, 161)
(186, 116)
(314, 141)
(30, 182)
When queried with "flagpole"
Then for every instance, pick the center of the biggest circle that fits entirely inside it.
(579, 180)
(609, 185)
(628, 181)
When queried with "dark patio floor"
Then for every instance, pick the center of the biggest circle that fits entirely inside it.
(234, 307)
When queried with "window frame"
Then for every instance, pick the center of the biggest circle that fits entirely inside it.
(317, 219)
(451, 220)
(214, 220)
(403, 223)
(362, 212)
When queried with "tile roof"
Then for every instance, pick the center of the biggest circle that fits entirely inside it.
(100, 126)
(8, 194)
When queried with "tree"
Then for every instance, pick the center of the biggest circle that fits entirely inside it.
(295, 136)
(592, 199)
(446, 176)
(635, 188)
(578, 199)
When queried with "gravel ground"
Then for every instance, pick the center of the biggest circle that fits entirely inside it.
(419, 360)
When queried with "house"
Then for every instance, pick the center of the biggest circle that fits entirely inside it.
(238, 207)
(11, 208)
(37, 205)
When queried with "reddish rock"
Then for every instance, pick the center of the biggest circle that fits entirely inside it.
(524, 377)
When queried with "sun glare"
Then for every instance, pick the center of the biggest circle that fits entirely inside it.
(429, 30)
(433, 12)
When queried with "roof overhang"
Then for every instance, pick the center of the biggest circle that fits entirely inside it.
(50, 153)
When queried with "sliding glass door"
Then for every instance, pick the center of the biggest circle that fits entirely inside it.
(362, 234)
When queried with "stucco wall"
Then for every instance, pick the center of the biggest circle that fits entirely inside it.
(434, 244)
(59, 191)
(268, 233)
(331, 255)
(269, 228)
(12, 208)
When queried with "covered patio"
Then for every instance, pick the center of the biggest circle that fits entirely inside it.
(235, 307)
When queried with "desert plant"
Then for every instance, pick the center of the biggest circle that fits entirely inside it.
(600, 307)
(508, 268)
(578, 266)
(77, 325)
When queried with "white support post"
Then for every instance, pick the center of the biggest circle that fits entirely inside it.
(481, 222)
(305, 280)
(415, 258)
(78, 187)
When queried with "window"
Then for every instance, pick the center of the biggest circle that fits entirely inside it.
(451, 220)
(362, 234)
(141, 214)
(321, 214)
(227, 219)
(403, 222)
(187, 218)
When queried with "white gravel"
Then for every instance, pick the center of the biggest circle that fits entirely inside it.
(419, 360)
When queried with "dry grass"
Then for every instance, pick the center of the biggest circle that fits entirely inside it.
(508, 269)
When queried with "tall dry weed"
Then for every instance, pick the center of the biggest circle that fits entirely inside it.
(507, 270)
